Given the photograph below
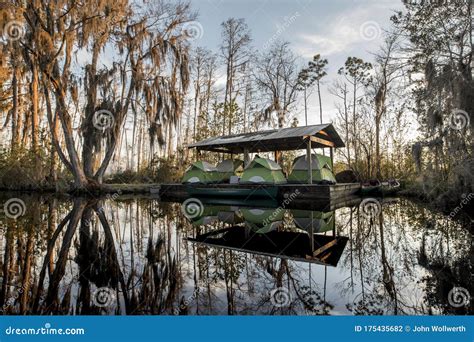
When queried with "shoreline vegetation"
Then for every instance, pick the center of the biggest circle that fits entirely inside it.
(130, 182)
(76, 129)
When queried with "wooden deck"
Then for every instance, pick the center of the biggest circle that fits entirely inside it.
(302, 191)
(296, 191)
(311, 197)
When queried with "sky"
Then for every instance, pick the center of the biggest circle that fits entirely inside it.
(336, 29)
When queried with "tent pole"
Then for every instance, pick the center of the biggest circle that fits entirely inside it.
(308, 159)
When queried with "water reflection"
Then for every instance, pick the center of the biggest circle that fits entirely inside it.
(262, 231)
(142, 256)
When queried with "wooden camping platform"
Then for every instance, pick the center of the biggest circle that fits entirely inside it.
(298, 191)
(302, 191)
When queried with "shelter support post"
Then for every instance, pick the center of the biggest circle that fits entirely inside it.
(331, 154)
(246, 157)
(308, 158)
(278, 157)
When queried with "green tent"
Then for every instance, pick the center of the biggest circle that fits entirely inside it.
(318, 221)
(263, 171)
(228, 168)
(262, 221)
(321, 168)
(201, 172)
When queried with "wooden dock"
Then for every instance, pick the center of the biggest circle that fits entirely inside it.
(294, 191)
(297, 192)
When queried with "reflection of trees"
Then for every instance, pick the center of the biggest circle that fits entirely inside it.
(22, 240)
(447, 271)
(93, 263)
(390, 253)
(55, 258)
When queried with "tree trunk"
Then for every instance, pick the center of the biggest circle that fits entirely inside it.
(320, 104)
(346, 118)
(354, 124)
(15, 142)
(35, 105)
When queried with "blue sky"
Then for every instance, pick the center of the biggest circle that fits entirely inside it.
(335, 29)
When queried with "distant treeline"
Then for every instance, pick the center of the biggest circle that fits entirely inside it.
(117, 88)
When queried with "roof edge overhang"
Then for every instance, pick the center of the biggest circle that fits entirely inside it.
(321, 136)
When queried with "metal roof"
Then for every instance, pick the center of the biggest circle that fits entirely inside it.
(284, 139)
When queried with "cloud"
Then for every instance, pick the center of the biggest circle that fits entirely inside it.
(357, 28)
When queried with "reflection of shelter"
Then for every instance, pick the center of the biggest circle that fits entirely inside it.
(314, 221)
(232, 215)
(208, 215)
(322, 249)
(262, 221)
(261, 233)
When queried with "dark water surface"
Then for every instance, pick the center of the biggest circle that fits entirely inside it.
(142, 256)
